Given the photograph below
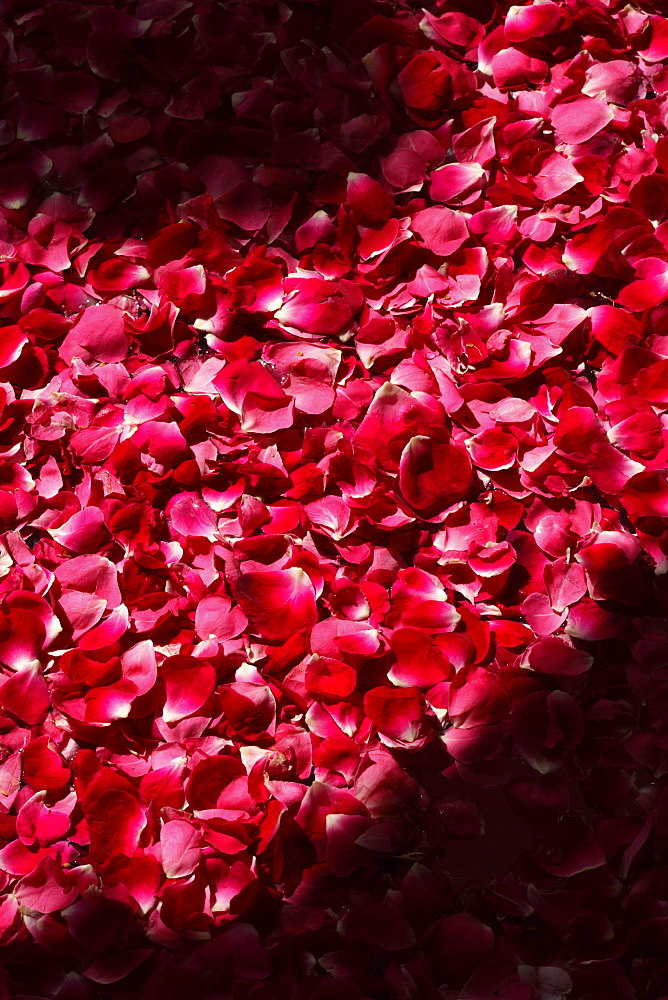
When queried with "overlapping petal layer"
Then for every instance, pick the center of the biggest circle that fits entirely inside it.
(333, 500)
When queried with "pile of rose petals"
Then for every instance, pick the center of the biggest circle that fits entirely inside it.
(333, 500)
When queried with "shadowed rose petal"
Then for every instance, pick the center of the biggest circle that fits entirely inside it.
(115, 821)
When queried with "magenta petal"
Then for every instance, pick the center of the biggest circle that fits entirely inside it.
(180, 848)
(108, 631)
(552, 656)
(440, 229)
(46, 889)
(85, 531)
(25, 694)
(579, 119)
(188, 682)
(98, 335)
(534, 20)
(189, 515)
(216, 619)
(115, 821)
(139, 666)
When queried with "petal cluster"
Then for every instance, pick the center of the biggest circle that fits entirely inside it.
(333, 500)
